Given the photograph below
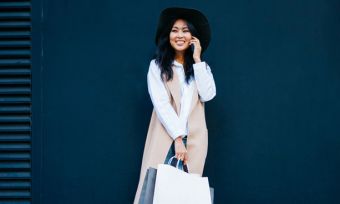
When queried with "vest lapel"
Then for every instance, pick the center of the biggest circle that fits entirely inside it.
(175, 90)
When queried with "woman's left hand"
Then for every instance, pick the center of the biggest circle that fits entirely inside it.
(197, 50)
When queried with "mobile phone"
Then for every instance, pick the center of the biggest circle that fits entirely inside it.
(192, 47)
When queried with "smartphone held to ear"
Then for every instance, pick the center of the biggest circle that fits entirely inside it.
(192, 47)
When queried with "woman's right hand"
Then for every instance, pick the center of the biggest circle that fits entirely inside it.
(180, 150)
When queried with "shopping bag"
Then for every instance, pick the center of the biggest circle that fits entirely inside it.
(212, 195)
(146, 196)
(174, 186)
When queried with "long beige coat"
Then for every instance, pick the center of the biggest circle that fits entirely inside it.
(158, 141)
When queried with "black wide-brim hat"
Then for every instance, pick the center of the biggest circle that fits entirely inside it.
(194, 16)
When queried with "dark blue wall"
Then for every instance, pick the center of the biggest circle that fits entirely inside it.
(274, 133)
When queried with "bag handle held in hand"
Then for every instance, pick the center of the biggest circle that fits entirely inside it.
(173, 161)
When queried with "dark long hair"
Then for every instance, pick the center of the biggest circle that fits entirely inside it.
(165, 54)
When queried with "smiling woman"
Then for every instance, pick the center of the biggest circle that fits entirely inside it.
(179, 84)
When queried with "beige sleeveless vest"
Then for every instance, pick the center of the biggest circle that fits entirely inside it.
(158, 141)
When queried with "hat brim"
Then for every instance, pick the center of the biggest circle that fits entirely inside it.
(194, 16)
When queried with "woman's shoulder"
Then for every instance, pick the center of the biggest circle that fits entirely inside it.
(153, 66)
(153, 62)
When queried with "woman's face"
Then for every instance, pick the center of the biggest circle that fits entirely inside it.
(180, 36)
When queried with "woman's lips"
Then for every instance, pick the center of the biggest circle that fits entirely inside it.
(180, 43)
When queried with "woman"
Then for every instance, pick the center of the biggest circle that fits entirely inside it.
(179, 83)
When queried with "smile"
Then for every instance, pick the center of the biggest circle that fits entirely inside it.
(180, 42)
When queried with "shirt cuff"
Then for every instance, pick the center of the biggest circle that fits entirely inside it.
(180, 133)
(200, 67)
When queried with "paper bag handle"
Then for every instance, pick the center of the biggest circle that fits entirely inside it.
(173, 161)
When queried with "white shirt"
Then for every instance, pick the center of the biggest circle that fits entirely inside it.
(177, 125)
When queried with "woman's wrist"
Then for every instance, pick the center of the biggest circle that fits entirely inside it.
(178, 139)
(197, 60)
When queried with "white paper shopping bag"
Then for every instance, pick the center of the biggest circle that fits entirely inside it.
(174, 186)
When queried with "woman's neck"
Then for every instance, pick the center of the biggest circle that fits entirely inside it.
(179, 58)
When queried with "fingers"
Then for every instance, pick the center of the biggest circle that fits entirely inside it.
(181, 156)
(194, 40)
(180, 150)
(197, 44)
(185, 161)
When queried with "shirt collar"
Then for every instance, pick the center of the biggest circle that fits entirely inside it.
(177, 64)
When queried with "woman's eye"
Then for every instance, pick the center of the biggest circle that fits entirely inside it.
(173, 30)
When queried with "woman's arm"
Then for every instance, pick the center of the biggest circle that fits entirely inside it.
(205, 81)
(160, 99)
